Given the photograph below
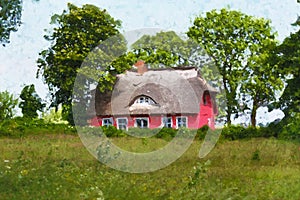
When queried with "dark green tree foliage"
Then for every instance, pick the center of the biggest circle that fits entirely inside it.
(234, 41)
(164, 49)
(31, 102)
(77, 32)
(289, 62)
(7, 105)
(167, 49)
(10, 18)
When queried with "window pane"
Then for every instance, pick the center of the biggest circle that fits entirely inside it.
(142, 123)
(107, 122)
(181, 122)
(122, 124)
(167, 122)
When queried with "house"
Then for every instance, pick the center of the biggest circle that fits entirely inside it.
(154, 98)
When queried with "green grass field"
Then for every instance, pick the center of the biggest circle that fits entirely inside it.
(59, 167)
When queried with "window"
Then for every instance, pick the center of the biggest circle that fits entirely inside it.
(107, 121)
(142, 122)
(181, 122)
(167, 122)
(144, 100)
(122, 123)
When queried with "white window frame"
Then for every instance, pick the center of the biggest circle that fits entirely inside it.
(118, 123)
(163, 123)
(141, 118)
(144, 100)
(108, 118)
(186, 121)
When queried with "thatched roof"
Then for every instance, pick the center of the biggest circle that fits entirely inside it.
(174, 91)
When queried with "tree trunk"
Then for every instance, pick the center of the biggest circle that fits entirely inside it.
(228, 110)
(228, 117)
(253, 114)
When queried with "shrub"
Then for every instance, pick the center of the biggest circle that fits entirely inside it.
(291, 128)
(201, 132)
(239, 132)
(111, 131)
(7, 105)
(19, 126)
(166, 133)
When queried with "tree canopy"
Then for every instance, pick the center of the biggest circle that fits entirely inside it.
(236, 42)
(77, 31)
(10, 18)
(289, 62)
(7, 105)
(31, 102)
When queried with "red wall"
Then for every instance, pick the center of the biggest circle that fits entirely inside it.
(206, 116)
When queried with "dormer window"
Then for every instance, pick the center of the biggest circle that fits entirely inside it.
(144, 100)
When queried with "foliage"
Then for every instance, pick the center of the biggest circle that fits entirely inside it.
(235, 41)
(167, 49)
(236, 132)
(111, 131)
(20, 127)
(291, 128)
(10, 18)
(289, 62)
(7, 105)
(54, 116)
(77, 32)
(31, 102)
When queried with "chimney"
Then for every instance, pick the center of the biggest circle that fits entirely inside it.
(141, 67)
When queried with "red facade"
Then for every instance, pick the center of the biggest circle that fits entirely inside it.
(206, 116)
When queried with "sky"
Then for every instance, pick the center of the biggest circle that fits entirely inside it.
(18, 59)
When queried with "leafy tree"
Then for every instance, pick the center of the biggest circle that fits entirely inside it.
(263, 80)
(77, 32)
(289, 62)
(164, 49)
(31, 102)
(10, 18)
(235, 41)
(167, 49)
(7, 105)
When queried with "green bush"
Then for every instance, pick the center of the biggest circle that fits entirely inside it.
(291, 128)
(19, 126)
(166, 133)
(234, 132)
(201, 132)
(111, 131)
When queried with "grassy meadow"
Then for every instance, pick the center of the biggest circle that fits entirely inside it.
(58, 166)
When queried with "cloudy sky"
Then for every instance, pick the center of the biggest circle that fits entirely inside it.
(18, 59)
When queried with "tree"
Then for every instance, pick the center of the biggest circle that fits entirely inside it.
(167, 49)
(7, 105)
(289, 62)
(233, 40)
(77, 32)
(31, 102)
(263, 81)
(10, 18)
(164, 49)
